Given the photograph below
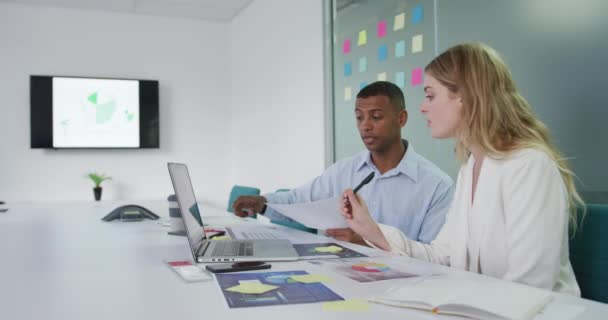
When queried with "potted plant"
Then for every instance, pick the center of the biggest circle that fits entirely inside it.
(97, 180)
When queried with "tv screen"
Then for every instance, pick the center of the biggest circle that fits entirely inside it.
(77, 112)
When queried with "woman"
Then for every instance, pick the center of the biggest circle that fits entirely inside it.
(515, 193)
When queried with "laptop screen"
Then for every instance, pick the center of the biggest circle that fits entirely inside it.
(187, 204)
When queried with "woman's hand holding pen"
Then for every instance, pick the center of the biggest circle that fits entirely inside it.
(357, 216)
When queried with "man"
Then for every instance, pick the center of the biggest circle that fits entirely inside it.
(407, 191)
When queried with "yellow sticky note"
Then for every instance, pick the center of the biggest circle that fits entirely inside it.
(330, 249)
(221, 238)
(346, 305)
(311, 278)
(417, 43)
(348, 94)
(362, 38)
(251, 288)
(399, 21)
(381, 76)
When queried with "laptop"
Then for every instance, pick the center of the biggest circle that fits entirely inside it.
(207, 250)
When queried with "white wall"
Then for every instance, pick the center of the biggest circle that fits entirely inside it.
(241, 102)
(276, 76)
(188, 57)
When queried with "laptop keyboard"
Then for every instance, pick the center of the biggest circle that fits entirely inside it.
(238, 249)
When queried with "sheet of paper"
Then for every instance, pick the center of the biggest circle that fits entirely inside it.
(322, 214)
(312, 278)
(346, 305)
(251, 288)
(346, 46)
(381, 29)
(248, 232)
(348, 93)
(557, 311)
(399, 22)
(362, 39)
(417, 43)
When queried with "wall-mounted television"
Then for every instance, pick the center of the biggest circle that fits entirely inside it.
(79, 112)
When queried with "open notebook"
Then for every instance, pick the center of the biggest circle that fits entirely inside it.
(479, 299)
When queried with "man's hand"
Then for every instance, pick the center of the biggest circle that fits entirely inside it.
(246, 206)
(346, 234)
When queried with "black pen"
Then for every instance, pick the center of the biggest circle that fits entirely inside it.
(364, 182)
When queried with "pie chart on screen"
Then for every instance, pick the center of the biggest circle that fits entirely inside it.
(370, 267)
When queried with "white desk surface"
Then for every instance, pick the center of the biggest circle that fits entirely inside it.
(60, 261)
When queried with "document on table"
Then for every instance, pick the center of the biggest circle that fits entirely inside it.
(322, 214)
(248, 232)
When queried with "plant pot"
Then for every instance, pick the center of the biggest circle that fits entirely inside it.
(97, 193)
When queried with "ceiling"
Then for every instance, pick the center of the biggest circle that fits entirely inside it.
(217, 10)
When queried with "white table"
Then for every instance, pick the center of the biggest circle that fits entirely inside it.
(60, 261)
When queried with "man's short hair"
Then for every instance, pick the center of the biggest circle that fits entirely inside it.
(387, 89)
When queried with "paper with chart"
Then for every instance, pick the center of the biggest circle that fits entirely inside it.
(371, 269)
(322, 214)
(242, 290)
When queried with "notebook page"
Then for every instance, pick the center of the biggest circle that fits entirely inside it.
(431, 293)
(506, 299)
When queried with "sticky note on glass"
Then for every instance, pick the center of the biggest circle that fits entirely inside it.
(416, 76)
(348, 94)
(348, 70)
(362, 64)
(417, 14)
(311, 278)
(362, 38)
(346, 46)
(346, 305)
(381, 29)
(400, 49)
(331, 249)
(400, 79)
(381, 76)
(382, 52)
(399, 22)
(417, 43)
(362, 85)
(251, 288)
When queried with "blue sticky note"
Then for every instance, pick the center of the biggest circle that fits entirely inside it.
(362, 85)
(400, 79)
(362, 64)
(417, 14)
(348, 70)
(400, 49)
(382, 52)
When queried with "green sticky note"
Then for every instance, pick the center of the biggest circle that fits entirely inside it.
(311, 278)
(362, 40)
(346, 305)
(251, 288)
(330, 249)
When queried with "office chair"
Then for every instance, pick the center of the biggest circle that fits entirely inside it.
(238, 191)
(589, 253)
(294, 224)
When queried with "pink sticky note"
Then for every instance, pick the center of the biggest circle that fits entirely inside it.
(381, 29)
(346, 46)
(416, 76)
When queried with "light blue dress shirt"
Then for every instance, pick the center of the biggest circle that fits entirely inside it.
(414, 196)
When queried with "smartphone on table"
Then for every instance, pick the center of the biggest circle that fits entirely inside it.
(238, 266)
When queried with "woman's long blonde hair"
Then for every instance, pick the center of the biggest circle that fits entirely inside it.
(496, 117)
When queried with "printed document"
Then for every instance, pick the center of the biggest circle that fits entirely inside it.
(322, 214)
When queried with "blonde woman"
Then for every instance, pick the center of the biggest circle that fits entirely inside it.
(515, 194)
